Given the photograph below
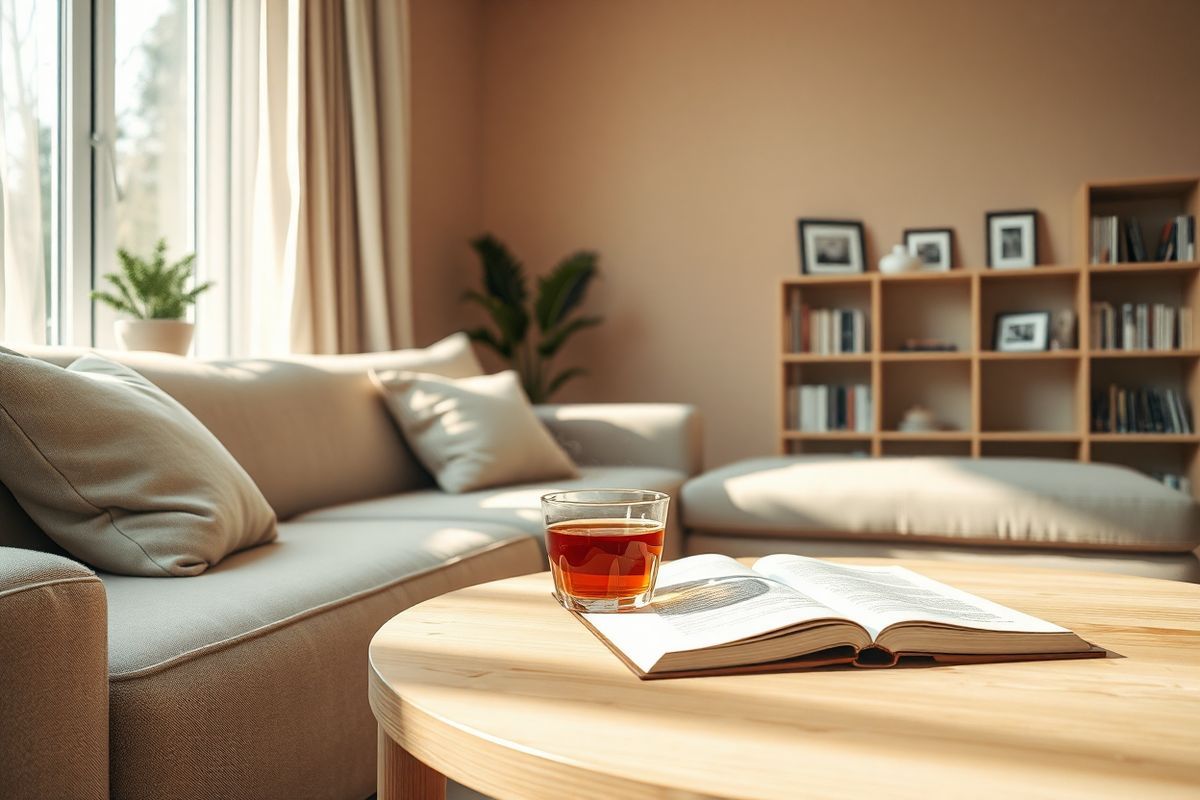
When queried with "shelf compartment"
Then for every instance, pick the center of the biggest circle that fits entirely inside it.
(1054, 293)
(1030, 397)
(1152, 202)
(853, 295)
(827, 436)
(925, 310)
(925, 436)
(943, 387)
(1151, 458)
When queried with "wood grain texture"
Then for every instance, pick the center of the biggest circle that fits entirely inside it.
(498, 688)
(402, 777)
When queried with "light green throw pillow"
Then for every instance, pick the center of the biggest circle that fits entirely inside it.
(118, 473)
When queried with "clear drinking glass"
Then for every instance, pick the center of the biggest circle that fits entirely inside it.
(605, 546)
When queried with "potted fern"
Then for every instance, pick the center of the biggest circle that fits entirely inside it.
(155, 294)
(550, 317)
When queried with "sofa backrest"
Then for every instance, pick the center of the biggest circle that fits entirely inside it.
(312, 431)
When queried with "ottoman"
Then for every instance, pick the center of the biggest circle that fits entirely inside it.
(1038, 512)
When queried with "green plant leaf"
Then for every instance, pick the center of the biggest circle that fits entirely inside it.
(118, 304)
(152, 289)
(484, 336)
(503, 275)
(558, 380)
(512, 321)
(553, 341)
(564, 288)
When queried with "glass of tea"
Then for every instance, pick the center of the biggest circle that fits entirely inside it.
(604, 546)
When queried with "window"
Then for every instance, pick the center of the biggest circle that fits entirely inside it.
(102, 104)
(29, 157)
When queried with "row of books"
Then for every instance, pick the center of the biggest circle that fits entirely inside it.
(825, 331)
(1116, 241)
(1179, 482)
(1118, 409)
(1140, 326)
(818, 408)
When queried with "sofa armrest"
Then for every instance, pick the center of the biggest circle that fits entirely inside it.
(53, 678)
(638, 434)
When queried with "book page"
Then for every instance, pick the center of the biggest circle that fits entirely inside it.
(706, 601)
(877, 597)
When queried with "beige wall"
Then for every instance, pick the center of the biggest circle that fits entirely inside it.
(683, 139)
(447, 141)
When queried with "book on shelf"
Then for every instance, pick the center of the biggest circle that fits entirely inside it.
(1118, 409)
(824, 331)
(818, 408)
(1115, 241)
(712, 615)
(1140, 326)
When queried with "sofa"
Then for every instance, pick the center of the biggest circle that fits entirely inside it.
(1036, 512)
(250, 679)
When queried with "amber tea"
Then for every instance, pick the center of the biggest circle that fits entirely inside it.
(604, 547)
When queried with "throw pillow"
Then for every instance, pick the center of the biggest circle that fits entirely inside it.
(473, 433)
(118, 473)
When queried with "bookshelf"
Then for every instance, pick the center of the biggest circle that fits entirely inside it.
(991, 403)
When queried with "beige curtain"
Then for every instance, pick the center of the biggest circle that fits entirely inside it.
(328, 225)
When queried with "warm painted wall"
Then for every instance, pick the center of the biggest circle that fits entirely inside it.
(446, 128)
(682, 139)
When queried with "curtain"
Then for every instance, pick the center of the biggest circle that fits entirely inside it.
(326, 229)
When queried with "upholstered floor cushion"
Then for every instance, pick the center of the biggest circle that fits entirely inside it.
(989, 501)
(519, 506)
(260, 664)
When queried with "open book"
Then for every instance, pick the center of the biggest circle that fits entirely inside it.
(714, 615)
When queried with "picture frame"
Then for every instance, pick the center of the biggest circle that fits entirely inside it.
(1022, 332)
(934, 246)
(1012, 241)
(831, 246)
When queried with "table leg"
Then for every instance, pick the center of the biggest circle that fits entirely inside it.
(402, 777)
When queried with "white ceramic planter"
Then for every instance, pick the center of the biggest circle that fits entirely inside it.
(160, 335)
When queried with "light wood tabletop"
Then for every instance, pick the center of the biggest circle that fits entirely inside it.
(498, 688)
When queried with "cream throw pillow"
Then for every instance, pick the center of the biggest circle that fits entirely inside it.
(118, 473)
(473, 433)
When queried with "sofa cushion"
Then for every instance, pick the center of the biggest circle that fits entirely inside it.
(473, 433)
(260, 664)
(118, 473)
(312, 431)
(990, 501)
(518, 506)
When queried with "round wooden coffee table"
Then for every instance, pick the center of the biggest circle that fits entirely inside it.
(498, 688)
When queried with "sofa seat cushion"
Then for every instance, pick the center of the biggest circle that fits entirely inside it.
(1041, 503)
(518, 506)
(260, 664)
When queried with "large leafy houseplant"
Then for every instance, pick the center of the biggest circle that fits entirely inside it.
(151, 288)
(527, 335)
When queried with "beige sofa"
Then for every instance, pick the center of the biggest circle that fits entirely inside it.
(250, 679)
(1035, 512)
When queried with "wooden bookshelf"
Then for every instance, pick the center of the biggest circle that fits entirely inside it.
(1035, 404)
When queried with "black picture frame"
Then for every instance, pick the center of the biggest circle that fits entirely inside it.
(1037, 344)
(1028, 259)
(810, 263)
(947, 248)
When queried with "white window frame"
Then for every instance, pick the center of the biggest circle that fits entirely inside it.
(86, 182)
